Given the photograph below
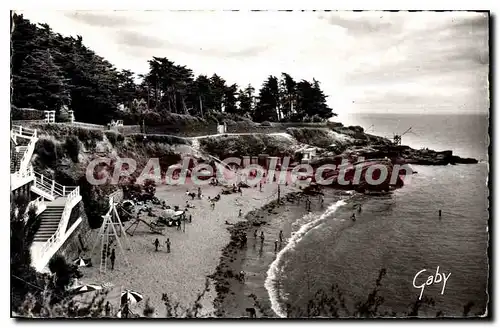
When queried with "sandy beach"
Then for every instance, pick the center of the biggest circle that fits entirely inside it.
(194, 255)
(234, 296)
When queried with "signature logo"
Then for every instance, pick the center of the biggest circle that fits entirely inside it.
(432, 279)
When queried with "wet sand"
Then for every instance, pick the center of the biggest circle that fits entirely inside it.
(194, 254)
(235, 296)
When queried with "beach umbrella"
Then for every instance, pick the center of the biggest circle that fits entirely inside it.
(80, 262)
(178, 213)
(168, 213)
(130, 297)
(85, 288)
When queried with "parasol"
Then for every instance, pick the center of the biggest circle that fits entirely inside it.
(130, 297)
(85, 288)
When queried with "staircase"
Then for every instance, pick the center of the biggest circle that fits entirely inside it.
(20, 170)
(54, 205)
(15, 162)
(49, 222)
(54, 230)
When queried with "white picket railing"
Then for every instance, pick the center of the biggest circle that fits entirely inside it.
(21, 131)
(72, 199)
(24, 173)
(53, 188)
(28, 152)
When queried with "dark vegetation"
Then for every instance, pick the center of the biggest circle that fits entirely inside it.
(51, 72)
(243, 145)
(313, 136)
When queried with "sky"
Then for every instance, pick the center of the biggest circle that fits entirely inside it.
(386, 62)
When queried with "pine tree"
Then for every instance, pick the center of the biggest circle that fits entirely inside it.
(246, 101)
(267, 105)
(40, 83)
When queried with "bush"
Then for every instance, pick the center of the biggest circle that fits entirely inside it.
(312, 136)
(89, 137)
(72, 146)
(63, 271)
(114, 137)
(21, 114)
(48, 152)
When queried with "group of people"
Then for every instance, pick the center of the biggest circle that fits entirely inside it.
(156, 243)
(279, 240)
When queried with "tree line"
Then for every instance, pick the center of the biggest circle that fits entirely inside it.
(50, 72)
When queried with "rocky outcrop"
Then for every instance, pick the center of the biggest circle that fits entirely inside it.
(408, 155)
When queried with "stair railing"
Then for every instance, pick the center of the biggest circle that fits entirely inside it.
(71, 201)
(54, 188)
(24, 174)
(19, 130)
(25, 160)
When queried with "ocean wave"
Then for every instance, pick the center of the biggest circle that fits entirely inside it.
(274, 271)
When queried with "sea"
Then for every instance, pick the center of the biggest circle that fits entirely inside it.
(399, 233)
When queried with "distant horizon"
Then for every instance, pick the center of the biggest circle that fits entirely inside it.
(414, 113)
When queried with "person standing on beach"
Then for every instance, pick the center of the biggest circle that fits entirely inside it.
(239, 214)
(156, 243)
(260, 186)
(353, 217)
(359, 208)
(113, 257)
(107, 309)
(275, 246)
(281, 236)
(261, 236)
(199, 193)
(168, 245)
(255, 234)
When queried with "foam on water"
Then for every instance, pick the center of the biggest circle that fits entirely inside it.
(275, 268)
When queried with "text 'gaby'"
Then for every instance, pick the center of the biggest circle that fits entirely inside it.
(432, 279)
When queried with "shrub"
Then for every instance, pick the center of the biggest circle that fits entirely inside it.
(89, 137)
(312, 136)
(113, 137)
(72, 146)
(47, 152)
(26, 114)
(63, 271)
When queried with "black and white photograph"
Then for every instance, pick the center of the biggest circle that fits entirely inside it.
(250, 164)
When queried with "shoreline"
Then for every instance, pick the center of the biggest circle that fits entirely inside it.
(235, 296)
